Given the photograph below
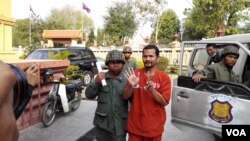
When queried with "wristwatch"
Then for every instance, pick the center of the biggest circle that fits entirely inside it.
(135, 86)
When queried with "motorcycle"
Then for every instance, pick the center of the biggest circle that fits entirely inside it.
(62, 97)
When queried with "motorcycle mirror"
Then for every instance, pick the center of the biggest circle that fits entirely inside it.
(47, 75)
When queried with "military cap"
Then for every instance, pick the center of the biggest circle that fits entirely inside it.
(230, 50)
(127, 49)
(114, 55)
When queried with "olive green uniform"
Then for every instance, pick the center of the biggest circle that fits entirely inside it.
(219, 71)
(111, 113)
(129, 64)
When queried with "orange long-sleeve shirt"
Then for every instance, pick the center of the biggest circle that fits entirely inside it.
(146, 116)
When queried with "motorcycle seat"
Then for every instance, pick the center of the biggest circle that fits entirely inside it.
(71, 86)
(77, 82)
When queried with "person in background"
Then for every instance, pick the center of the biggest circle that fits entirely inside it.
(150, 90)
(222, 70)
(129, 62)
(111, 112)
(213, 53)
(8, 130)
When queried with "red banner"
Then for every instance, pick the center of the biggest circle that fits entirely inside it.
(84, 7)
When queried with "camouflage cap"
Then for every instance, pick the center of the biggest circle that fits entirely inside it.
(230, 50)
(127, 49)
(115, 55)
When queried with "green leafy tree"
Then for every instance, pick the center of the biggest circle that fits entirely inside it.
(149, 11)
(37, 27)
(100, 37)
(68, 18)
(208, 15)
(21, 31)
(119, 22)
(168, 24)
(91, 38)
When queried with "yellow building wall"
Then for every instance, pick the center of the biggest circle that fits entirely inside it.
(6, 23)
(5, 8)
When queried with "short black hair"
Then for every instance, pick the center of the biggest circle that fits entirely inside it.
(209, 45)
(157, 52)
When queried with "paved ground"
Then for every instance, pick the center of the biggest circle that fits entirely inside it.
(77, 126)
(67, 127)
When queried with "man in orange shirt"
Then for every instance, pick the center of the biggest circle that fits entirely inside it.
(149, 88)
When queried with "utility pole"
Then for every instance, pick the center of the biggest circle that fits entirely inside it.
(182, 29)
(82, 28)
(30, 30)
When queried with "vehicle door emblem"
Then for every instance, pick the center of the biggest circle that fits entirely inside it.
(221, 112)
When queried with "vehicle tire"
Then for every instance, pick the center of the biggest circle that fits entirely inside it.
(75, 105)
(49, 114)
(86, 78)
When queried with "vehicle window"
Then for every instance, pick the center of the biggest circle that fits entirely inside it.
(86, 54)
(200, 59)
(77, 53)
(38, 54)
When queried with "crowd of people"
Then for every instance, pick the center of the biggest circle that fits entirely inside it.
(133, 100)
(114, 116)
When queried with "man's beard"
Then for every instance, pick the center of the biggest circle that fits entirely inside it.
(126, 58)
(115, 72)
(149, 66)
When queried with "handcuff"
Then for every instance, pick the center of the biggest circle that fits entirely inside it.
(135, 86)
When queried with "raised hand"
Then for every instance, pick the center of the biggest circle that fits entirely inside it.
(99, 77)
(130, 75)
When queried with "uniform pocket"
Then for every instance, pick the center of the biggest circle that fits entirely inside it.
(100, 120)
(101, 114)
(102, 105)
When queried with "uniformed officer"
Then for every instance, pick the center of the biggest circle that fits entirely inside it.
(129, 63)
(222, 70)
(111, 113)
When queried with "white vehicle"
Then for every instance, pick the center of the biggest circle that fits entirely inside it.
(210, 104)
